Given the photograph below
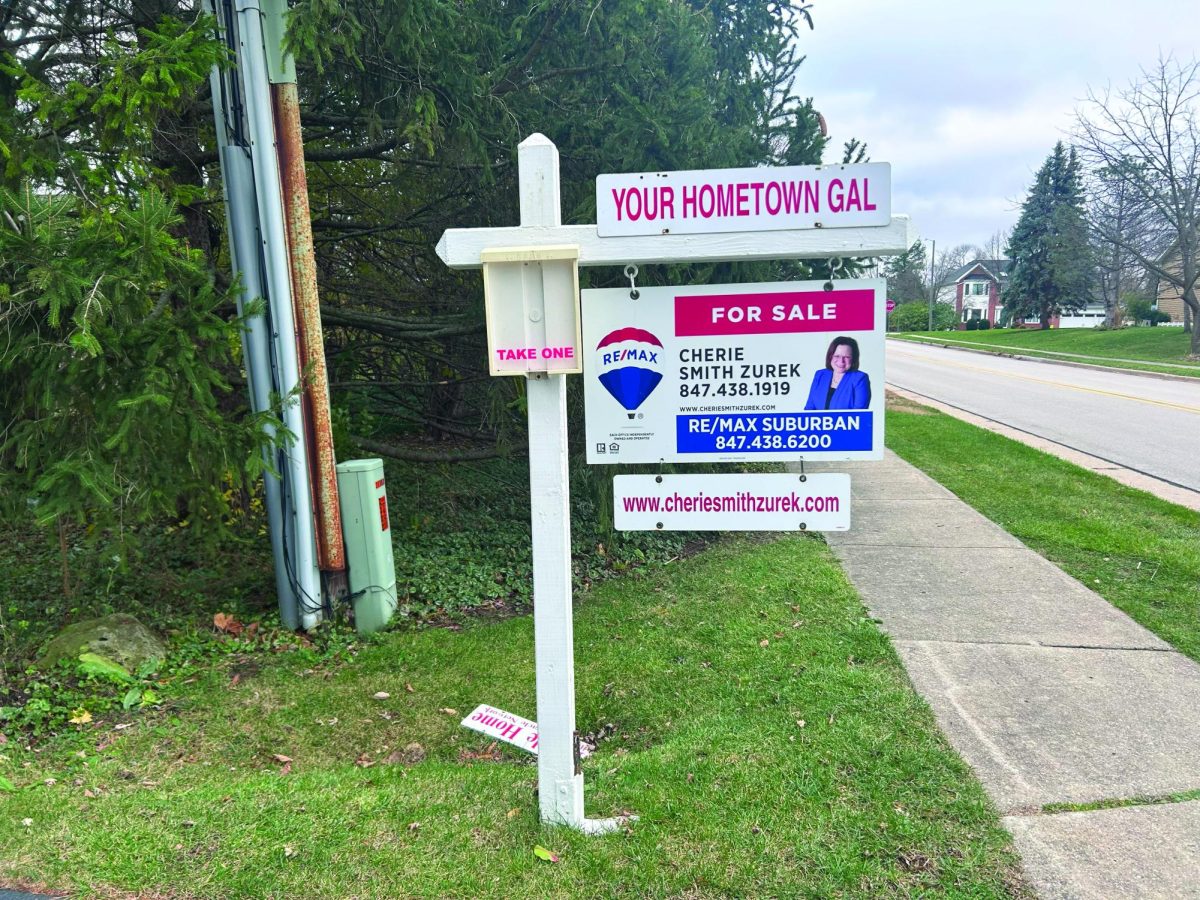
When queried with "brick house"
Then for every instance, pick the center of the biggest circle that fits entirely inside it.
(979, 284)
(977, 287)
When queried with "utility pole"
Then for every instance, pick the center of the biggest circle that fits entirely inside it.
(257, 120)
(932, 286)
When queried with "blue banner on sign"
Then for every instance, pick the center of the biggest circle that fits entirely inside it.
(834, 430)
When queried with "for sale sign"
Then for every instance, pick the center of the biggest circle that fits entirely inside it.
(740, 200)
(785, 371)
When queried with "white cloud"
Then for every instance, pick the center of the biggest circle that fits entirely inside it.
(966, 98)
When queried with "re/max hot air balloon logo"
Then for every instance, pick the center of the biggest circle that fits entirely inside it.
(630, 367)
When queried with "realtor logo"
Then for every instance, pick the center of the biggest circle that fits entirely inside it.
(630, 367)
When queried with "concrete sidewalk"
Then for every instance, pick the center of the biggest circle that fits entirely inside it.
(1050, 693)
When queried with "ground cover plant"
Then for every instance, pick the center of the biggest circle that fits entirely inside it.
(1140, 553)
(1146, 349)
(741, 704)
(461, 543)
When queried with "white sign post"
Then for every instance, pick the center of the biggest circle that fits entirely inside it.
(560, 780)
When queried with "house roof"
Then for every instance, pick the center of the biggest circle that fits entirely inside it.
(995, 269)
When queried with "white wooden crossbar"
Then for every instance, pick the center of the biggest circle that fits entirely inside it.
(462, 248)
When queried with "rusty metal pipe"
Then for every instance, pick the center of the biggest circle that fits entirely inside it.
(331, 551)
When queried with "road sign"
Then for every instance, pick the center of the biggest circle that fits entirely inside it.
(734, 373)
(891, 304)
(732, 502)
(740, 200)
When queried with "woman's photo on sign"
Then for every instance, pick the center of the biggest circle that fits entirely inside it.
(840, 385)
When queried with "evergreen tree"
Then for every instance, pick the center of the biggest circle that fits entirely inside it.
(1051, 271)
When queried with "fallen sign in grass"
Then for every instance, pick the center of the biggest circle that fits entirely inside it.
(741, 704)
(1140, 553)
(1162, 350)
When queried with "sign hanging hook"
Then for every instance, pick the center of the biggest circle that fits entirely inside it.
(631, 273)
(835, 266)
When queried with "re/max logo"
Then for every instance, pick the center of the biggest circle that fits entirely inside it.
(634, 355)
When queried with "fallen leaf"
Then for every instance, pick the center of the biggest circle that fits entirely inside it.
(489, 753)
(448, 711)
(414, 826)
(542, 853)
(380, 695)
(227, 623)
(27, 822)
(800, 723)
(512, 813)
(3, 739)
(51, 782)
(90, 794)
(80, 717)
(691, 777)
(408, 687)
(289, 851)
(764, 643)
(280, 758)
(364, 761)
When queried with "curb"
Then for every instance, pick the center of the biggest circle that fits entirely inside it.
(1165, 376)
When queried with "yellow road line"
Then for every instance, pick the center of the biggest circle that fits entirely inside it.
(1073, 387)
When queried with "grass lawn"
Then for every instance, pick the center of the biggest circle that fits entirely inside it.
(1159, 349)
(756, 721)
(1140, 553)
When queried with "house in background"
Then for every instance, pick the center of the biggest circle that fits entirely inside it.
(979, 284)
(1169, 299)
(977, 287)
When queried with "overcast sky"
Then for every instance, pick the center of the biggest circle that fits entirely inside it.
(966, 98)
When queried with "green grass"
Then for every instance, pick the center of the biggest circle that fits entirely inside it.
(704, 670)
(1160, 349)
(1140, 553)
(1122, 802)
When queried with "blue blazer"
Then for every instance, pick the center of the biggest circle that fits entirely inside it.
(853, 391)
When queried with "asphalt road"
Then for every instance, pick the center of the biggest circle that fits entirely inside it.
(1150, 425)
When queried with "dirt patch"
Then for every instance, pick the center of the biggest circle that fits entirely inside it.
(896, 403)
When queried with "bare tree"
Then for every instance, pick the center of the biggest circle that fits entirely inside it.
(997, 244)
(949, 262)
(1148, 135)
(1116, 218)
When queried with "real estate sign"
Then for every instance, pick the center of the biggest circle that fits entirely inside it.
(785, 371)
(740, 200)
(735, 501)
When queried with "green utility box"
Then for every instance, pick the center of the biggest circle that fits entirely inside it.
(368, 535)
